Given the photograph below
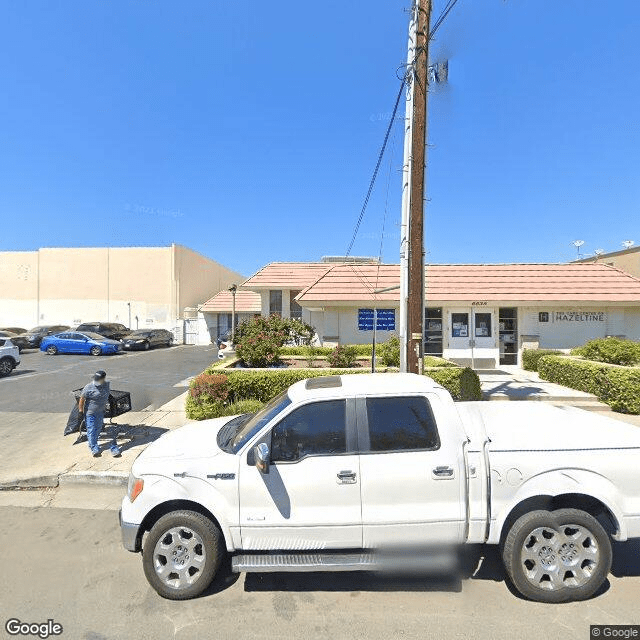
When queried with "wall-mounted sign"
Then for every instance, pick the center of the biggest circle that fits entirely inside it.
(572, 316)
(386, 319)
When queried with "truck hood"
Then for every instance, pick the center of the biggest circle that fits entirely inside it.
(193, 441)
(539, 426)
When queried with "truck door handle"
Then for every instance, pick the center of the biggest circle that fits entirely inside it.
(347, 477)
(443, 472)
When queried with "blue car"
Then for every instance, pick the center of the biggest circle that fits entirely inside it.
(76, 342)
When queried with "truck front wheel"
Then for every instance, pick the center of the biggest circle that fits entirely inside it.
(557, 556)
(182, 554)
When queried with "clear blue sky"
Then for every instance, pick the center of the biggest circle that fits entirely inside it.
(249, 130)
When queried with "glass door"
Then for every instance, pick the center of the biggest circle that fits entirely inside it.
(433, 331)
(508, 330)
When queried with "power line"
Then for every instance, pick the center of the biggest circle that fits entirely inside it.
(375, 172)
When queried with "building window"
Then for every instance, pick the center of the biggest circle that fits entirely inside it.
(295, 310)
(433, 331)
(482, 325)
(224, 325)
(385, 319)
(459, 325)
(275, 302)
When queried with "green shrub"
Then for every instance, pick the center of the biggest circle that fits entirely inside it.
(389, 352)
(617, 386)
(311, 354)
(462, 384)
(258, 341)
(530, 357)
(343, 356)
(610, 350)
(434, 361)
(206, 411)
(363, 350)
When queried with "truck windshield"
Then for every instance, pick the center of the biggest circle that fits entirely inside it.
(247, 429)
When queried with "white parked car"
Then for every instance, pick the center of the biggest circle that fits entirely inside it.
(9, 356)
(338, 469)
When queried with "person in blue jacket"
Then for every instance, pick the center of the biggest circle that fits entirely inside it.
(93, 402)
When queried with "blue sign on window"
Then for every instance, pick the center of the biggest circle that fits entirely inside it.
(386, 319)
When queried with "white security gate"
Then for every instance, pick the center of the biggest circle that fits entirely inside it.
(191, 331)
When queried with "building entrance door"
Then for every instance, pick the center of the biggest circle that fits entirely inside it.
(472, 340)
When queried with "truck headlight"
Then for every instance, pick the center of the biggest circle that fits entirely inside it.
(134, 488)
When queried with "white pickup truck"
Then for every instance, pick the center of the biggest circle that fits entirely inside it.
(340, 467)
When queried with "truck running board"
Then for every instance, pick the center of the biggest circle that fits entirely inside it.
(442, 560)
(253, 563)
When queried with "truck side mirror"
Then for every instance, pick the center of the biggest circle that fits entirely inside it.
(261, 455)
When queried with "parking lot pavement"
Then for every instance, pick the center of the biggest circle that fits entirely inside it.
(43, 383)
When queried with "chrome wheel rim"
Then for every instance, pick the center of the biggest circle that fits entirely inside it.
(179, 557)
(557, 558)
(51, 350)
(5, 367)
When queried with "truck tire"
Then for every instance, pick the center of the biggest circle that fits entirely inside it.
(6, 366)
(557, 556)
(182, 554)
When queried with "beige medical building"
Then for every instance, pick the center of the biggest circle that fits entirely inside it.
(482, 315)
(140, 287)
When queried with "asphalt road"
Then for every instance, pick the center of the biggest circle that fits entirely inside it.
(67, 565)
(43, 383)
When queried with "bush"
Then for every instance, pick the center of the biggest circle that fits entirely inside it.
(617, 386)
(209, 387)
(530, 357)
(258, 341)
(434, 361)
(363, 350)
(343, 356)
(389, 352)
(462, 384)
(298, 332)
(610, 350)
(205, 411)
(311, 354)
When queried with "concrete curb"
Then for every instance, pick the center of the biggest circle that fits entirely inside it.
(118, 478)
(36, 482)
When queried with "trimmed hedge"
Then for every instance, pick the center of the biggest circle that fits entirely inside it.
(531, 357)
(261, 386)
(610, 350)
(462, 384)
(363, 350)
(619, 387)
(198, 410)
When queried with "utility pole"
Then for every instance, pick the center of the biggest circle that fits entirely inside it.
(233, 288)
(412, 252)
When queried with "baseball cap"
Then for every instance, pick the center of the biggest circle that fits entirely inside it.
(99, 375)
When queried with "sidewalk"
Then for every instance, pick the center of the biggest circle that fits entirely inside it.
(36, 454)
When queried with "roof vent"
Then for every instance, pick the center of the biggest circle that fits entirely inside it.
(358, 259)
(323, 382)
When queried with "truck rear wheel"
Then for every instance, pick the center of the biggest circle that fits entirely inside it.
(557, 556)
(6, 366)
(182, 554)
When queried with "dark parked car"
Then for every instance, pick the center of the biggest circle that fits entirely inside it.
(113, 330)
(16, 330)
(147, 338)
(33, 337)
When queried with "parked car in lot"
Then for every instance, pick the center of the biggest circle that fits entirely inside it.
(16, 330)
(9, 357)
(147, 338)
(354, 472)
(76, 342)
(33, 337)
(113, 330)
(15, 339)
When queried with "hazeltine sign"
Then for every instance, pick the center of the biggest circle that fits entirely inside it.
(572, 316)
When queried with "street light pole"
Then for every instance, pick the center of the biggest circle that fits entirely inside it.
(233, 288)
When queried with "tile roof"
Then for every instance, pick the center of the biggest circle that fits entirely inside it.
(467, 282)
(246, 302)
(287, 275)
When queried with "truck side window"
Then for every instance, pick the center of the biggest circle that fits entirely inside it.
(401, 424)
(318, 428)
